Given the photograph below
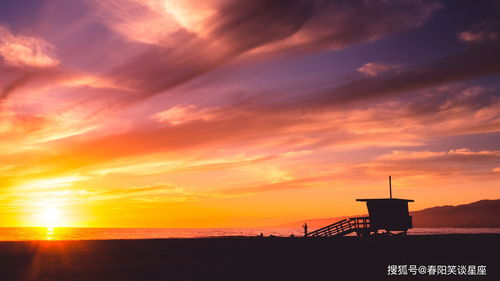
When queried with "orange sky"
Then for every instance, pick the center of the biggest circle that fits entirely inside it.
(242, 113)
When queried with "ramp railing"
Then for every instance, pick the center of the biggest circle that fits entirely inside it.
(342, 227)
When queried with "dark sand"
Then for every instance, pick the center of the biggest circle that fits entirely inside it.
(245, 258)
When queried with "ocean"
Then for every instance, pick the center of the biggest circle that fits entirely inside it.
(69, 233)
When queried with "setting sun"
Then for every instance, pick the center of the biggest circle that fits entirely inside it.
(50, 217)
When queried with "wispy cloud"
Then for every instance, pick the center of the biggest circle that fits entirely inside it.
(481, 33)
(373, 69)
(25, 51)
(216, 32)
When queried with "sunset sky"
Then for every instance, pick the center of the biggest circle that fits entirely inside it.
(233, 113)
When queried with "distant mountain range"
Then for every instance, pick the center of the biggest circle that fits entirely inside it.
(484, 213)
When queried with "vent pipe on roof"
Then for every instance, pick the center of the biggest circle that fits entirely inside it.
(390, 187)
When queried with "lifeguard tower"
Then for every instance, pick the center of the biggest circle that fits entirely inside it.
(389, 214)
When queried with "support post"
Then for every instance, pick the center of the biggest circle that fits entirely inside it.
(390, 187)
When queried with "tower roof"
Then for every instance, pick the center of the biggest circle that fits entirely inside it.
(384, 199)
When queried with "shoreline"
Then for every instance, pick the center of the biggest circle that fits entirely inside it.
(75, 234)
(256, 237)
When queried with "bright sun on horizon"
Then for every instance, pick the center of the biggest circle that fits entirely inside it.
(50, 217)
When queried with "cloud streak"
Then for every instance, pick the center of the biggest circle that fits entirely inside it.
(25, 51)
(225, 30)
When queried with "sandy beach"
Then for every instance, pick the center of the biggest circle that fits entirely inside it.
(268, 258)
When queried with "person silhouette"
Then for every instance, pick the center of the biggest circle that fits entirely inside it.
(305, 229)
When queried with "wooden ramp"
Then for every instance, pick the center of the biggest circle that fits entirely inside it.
(359, 225)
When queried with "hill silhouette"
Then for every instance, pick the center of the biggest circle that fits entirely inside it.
(483, 213)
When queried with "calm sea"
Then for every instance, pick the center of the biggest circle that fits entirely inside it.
(67, 233)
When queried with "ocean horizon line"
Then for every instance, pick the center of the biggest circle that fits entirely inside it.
(72, 233)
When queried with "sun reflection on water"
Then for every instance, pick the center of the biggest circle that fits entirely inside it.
(50, 233)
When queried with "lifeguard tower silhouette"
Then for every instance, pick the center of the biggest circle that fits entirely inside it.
(389, 214)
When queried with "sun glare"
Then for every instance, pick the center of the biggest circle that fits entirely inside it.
(51, 217)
